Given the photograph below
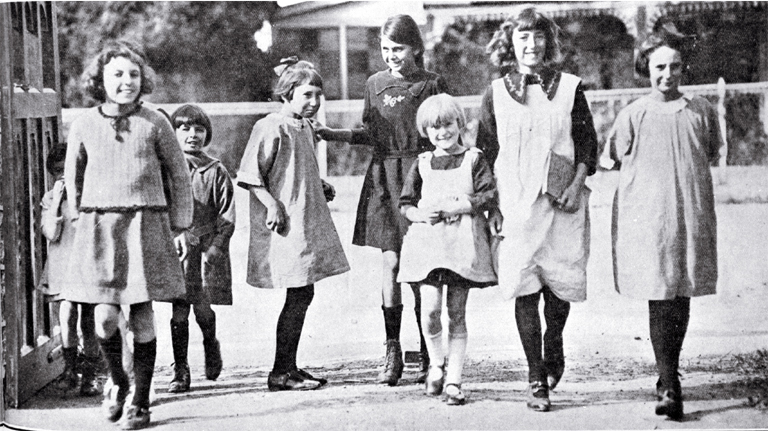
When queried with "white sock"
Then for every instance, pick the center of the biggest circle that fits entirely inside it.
(435, 349)
(457, 347)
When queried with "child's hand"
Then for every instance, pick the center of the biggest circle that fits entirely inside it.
(455, 206)
(276, 217)
(321, 130)
(181, 244)
(419, 215)
(214, 254)
(329, 191)
(495, 221)
(570, 200)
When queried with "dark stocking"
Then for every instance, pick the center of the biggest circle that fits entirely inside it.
(289, 326)
(668, 324)
(529, 327)
(112, 348)
(180, 341)
(392, 318)
(417, 309)
(143, 367)
(555, 315)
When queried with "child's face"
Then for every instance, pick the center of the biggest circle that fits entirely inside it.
(445, 136)
(305, 100)
(400, 58)
(58, 168)
(191, 137)
(122, 80)
(665, 66)
(530, 47)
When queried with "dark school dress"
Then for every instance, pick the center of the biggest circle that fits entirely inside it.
(389, 120)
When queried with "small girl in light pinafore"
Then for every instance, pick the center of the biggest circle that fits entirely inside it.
(294, 243)
(445, 196)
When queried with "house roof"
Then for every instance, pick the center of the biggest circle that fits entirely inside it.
(349, 13)
(371, 13)
(498, 10)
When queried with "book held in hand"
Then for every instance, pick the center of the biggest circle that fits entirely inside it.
(560, 174)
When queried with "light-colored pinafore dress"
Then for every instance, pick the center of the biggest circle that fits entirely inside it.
(542, 245)
(460, 245)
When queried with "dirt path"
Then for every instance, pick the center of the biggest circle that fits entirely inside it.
(609, 377)
(607, 394)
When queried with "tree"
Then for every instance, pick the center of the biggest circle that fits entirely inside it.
(201, 51)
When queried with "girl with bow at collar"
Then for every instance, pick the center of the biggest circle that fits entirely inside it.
(537, 132)
(392, 98)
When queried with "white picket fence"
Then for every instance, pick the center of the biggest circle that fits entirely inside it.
(345, 113)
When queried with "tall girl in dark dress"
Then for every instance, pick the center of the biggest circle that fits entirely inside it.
(392, 98)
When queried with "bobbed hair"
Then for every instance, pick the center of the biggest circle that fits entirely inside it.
(56, 154)
(403, 29)
(299, 73)
(193, 115)
(501, 48)
(93, 76)
(439, 110)
(664, 34)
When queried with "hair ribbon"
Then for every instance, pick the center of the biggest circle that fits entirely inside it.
(285, 63)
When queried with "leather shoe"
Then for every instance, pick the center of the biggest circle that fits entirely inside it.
(671, 405)
(306, 376)
(435, 379)
(538, 397)
(454, 396)
(291, 381)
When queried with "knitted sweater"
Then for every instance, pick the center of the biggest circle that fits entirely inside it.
(145, 169)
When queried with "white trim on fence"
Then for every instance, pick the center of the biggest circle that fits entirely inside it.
(468, 102)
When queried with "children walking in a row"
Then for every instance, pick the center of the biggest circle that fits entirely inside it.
(430, 202)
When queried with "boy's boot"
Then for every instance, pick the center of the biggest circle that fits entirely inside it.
(393, 364)
(68, 379)
(89, 385)
(180, 343)
(137, 414)
(112, 348)
(211, 347)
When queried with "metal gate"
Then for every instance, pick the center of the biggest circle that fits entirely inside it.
(30, 118)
